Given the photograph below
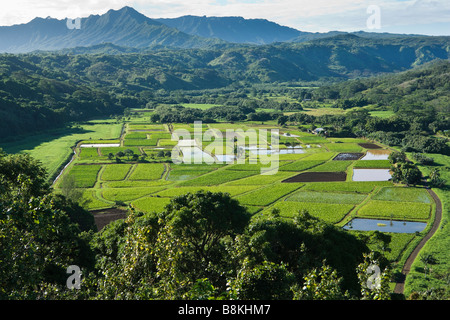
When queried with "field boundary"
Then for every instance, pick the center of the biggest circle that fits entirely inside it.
(400, 286)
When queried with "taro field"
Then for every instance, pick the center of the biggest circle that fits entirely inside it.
(307, 172)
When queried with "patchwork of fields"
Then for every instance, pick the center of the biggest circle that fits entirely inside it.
(140, 173)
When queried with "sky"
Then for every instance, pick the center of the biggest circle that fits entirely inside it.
(429, 17)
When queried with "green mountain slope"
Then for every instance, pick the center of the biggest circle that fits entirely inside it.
(124, 27)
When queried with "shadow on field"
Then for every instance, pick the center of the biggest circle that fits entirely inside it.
(28, 142)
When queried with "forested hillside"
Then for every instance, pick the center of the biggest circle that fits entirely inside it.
(53, 88)
(427, 85)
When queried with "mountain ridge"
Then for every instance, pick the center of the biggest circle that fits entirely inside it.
(127, 27)
(124, 27)
(233, 29)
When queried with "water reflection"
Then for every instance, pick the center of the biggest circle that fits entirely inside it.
(371, 175)
(377, 155)
(361, 224)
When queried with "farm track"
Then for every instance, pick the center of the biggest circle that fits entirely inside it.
(400, 286)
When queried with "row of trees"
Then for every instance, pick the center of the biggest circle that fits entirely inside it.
(202, 246)
(180, 114)
(413, 131)
(130, 155)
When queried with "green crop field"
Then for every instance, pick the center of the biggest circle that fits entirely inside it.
(323, 155)
(326, 197)
(149, 185)
(114, 172)
(343, 147)
(148, 171)
(88, 153)
(136, 135)
(149, 127)
(268, 195)
(151, 204)
(261, 180)
(332, 166)
(140, 142)
(128, 194)
(301, 165)
(93, 202)
(85, 175)
(312, 139)
(349, 186)
(396, 209)
(218, 177)
(375, 164)
(231, 190)
(403, 194)
(332, 213)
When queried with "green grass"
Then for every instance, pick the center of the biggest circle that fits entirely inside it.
(382, 114)
(331, 213)
(54, 148)
(202, 106)
(267, 195)
(85, 175)
(148, 171)
(396, 210)
(397, 244)
(99, 141)
(115, 172)
(326, 197)
(403, 194)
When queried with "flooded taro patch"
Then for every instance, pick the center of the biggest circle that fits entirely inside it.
(377, 154)
(348, 156)
(394, 226)
(371, 174)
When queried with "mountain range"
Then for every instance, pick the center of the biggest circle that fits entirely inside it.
(129, 28)
(124, 27)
